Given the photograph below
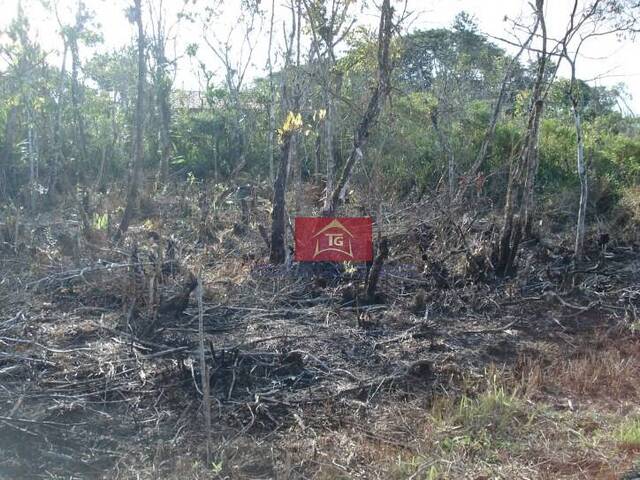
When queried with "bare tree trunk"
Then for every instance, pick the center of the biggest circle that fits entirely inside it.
(378, 97)
(216, 157)
(574, 96)
(584, 187)
(329, 142)
(448, 151)
(31, 153)
(163, 83)
(297, 160)
(234, 78)
(528, 204)
(136, 171)
(595, 18)
(488, 137)
(7, 150)
(278, 253)
(520, 187)
(58, 157)
(521, 178)
(376, 269)
(108, 150)
(270, 138)
(317, 154)
(272, 98)
(100, 178)
(240, 137)
(163, 93)
(278, 214)
(297, 139)
(332, 88)
(75, 100)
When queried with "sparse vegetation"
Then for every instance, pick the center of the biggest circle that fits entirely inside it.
(156, 321)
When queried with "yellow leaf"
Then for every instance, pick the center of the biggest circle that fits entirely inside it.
(292, 123)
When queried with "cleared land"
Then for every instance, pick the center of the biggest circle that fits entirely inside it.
(449, 374)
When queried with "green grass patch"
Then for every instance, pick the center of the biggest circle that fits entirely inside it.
(628, 434)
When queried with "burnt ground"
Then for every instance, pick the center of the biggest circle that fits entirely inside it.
(96, 383)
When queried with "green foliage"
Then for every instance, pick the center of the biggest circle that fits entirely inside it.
(100, 222)
(620, 159)
(557, 153)
(445, 78)
(198, 138)
(628, 434)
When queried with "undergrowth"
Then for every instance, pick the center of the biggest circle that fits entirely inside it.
(560, 426)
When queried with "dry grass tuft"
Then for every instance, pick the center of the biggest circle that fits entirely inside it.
(606, 371)
(522, 423)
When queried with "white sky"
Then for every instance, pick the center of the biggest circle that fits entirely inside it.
(606, 59)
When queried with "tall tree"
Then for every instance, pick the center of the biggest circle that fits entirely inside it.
(58, 133)
(74, 34)
(380, 92)
(597, 19)
(10, 130)
(509, 72)
(236, 67)
(272, 95)
(135, 178)
(329, 23)
(522, 171)
(163, 74)
(292, 124)
(27, 61)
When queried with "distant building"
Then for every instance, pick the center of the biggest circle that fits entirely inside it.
(191, 100)
(196, 101)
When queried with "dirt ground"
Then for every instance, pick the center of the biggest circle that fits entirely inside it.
(448, 374)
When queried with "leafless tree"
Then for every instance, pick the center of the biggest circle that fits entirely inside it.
(329, 23)
(597, 19)
(370, 116)
(236, 66)
(620, 14)
(522, 171)
(495, 116)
